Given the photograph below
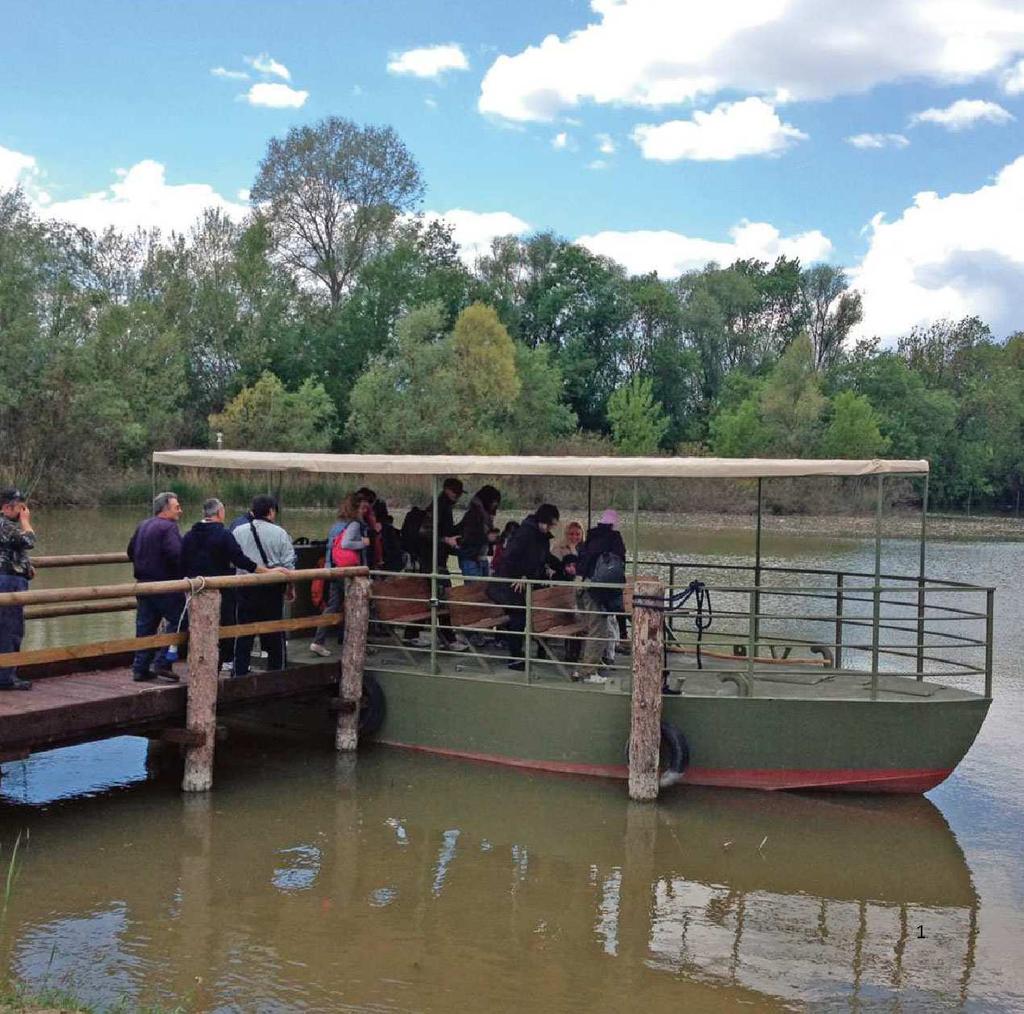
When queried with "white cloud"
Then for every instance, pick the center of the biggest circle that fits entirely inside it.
(243, 194)
(597, 164)
(560, 141)
(430, 103)
(1013, 79)
(605, 144)
(877, 141)
(474, 230)
(276, 96)
(142, 198)
(266, 64)
(731, 130)
(429, 61)
(658, 52)
(17, 169)
(671, 253)
(229, 75)
(948, 257)
(964, 113)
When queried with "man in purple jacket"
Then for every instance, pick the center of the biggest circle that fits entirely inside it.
(155, 552)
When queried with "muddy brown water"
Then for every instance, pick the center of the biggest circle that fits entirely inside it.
(407, 883)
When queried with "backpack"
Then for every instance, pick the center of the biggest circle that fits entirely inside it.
(609, 569)
(409, 535)
(344, 557)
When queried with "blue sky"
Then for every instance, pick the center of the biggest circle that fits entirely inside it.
(718, 115)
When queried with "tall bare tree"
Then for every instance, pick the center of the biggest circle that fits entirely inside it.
(332, 192)
(833, 310)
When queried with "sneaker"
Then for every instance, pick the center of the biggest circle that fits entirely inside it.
(418, 642)
(228, 667)
(142, 677)
(459, 644)
(319, 649)
(519, 666)
(666, 689)
(17, 684)
(166, 674)
(596, 678)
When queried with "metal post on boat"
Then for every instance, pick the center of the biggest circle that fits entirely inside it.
(921, 582)
(645, 718)
(990, 602)
(590, 501)
(757, 564)
(751, 641)
(876, 616)
(353, 660)
(636, 525)
(528, 629)
(152, 477)
(434, 494)
(839, 620)
(201, 706)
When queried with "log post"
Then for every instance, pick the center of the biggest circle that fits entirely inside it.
(203, 669)
(648, 662)
(353, 659)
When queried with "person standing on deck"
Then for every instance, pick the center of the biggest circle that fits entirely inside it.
(210, 550)
(16, 539)
(155, 553)
(478, 536)
(602, 559)
(526, 557)
(335, 589)
(262, 539)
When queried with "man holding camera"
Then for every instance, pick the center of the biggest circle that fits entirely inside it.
(16, 539)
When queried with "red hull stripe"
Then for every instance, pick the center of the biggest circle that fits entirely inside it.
(845, 779)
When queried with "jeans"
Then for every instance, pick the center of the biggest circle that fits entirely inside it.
(335, 597)
(602, 629)
(150, 610)
(254, 605)
(12, 624)
(474, 568)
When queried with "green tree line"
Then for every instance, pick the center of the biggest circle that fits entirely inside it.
(337, 317)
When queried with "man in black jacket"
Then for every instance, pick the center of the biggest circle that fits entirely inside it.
(527, 558)
(603, 550)
(209, 550)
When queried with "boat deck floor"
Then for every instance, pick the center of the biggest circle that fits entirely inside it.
(65, 709)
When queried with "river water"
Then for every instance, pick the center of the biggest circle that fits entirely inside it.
(406, 883)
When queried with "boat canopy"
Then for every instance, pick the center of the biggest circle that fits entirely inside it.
(604, 467)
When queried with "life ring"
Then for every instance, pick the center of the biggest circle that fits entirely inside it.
(675, 755)
(373, 706)
(318, 588)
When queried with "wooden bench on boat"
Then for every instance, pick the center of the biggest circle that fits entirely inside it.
(554, 616)
(470, 609)
(401, 601)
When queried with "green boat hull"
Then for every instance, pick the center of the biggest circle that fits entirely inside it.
(884, 745)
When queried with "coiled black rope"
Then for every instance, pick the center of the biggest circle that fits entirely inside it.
(703, 612)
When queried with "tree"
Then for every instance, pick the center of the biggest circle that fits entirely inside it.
(853, 431)
(832, 311)
(638, 421)
(486, 379)
(332, 192)
(266, 417)
(791, 402)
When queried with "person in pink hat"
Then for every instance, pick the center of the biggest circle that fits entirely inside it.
(603, 560)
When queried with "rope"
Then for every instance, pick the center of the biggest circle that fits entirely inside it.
(696, 590)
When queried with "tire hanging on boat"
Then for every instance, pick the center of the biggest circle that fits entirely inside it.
(373, 706)
(675, 754)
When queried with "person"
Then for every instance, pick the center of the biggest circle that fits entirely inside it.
(527, 557)
(262, 539)
(478, 536)
(566, 551)
(447, 531)
(17, 537)
(374, 556)
(504, 537)
(155, 552)
(390, 540)
(210, 550)
(335, 589)
(602, 559)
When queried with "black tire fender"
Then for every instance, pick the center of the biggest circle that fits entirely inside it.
(675, 755)
(373, 706)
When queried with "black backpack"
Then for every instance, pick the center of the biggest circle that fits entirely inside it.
(609, 569)
(410, 533)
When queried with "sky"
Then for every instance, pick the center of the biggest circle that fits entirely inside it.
(882, 135)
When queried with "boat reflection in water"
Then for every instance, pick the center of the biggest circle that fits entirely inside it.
(415, 882)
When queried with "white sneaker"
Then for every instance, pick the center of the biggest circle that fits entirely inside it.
(596, 678)
(418, 642)
(319, 649)
(459, 644)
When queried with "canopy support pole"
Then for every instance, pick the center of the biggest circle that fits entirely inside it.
(636, 525)
(876, 614)
(921, 582)
(757, 565)
(434, 494)
(152, 476)
(590, 500)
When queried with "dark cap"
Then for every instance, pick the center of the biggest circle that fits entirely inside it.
(455, 485)
(12, 495)
(546, 514)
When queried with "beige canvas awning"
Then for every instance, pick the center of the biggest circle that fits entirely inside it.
(461, 465)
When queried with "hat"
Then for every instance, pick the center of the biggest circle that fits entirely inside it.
(546, 514)
(610, 517)
(453, 484)
(12, 495)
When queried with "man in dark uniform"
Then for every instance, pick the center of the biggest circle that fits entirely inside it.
(16, 539)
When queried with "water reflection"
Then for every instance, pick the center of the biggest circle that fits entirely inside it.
(295, 885)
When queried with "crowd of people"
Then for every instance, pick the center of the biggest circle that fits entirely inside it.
(364, 534)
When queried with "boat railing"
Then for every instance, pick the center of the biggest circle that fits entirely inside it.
(788, 618)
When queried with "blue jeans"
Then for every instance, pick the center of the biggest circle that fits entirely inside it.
(151, 609)
(12, 625)
(474, 568)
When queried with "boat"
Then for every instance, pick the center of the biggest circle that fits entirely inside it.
(799, 679)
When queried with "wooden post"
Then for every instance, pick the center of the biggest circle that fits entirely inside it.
(645, 725)
(353, 658)
(203, 668)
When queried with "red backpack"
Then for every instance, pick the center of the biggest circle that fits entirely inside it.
(344, 557)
